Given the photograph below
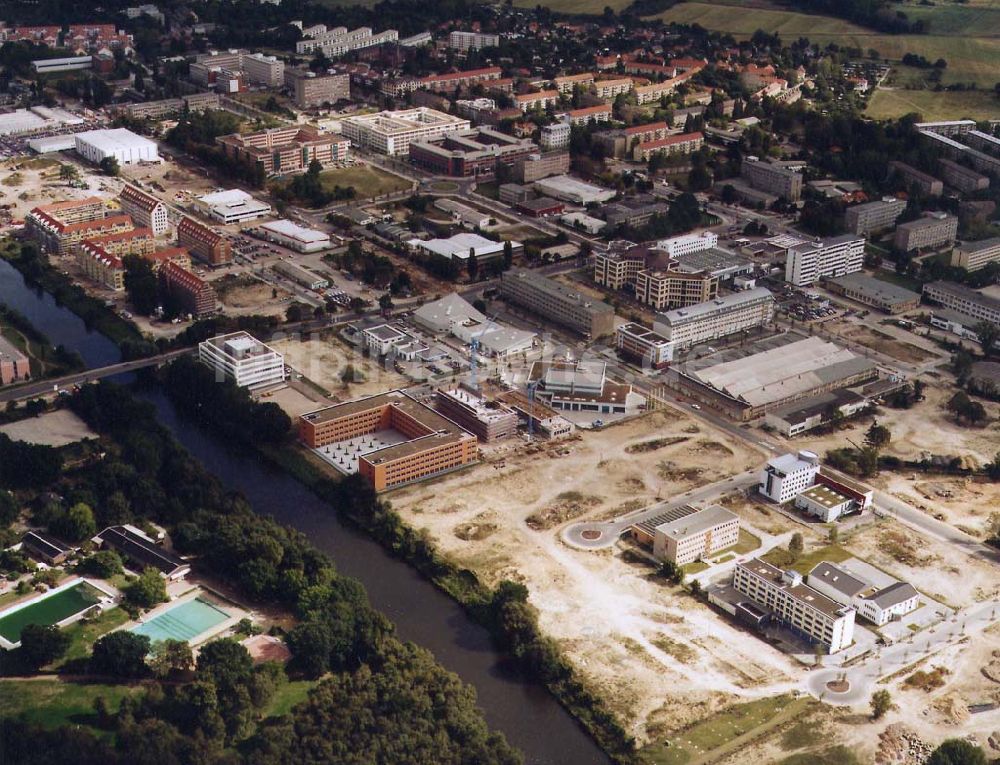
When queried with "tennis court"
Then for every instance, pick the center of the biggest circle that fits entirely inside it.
(184, 621)
(56, 606)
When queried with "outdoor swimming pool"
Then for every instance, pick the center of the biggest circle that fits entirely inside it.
(184, 621)
(57, 605)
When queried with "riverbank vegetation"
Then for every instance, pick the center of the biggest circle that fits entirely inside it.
(45, 360)
(36, 271)
(214, 710)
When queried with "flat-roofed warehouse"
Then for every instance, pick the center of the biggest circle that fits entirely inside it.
(748, 382)
(885, 296)
(391, 439)
(124, 145)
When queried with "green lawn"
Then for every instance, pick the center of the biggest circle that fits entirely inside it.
(53, 702)
(725, 731)
(83, 634)
(781, 558)
(976, 105)
(834, 755)
(577, 7)
(367, 181)
(287, 696)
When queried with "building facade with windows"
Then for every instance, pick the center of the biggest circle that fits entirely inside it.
(286, 149)
(702, 323)
(557, 302)
(203, 242)
(145, 209)
(787, 476)
(243, 359)
(810, 261)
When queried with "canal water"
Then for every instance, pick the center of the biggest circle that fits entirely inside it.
(525, 712)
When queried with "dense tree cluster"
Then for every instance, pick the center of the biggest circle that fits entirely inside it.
(24, 465)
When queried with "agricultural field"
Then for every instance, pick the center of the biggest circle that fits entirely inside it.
(976, 105)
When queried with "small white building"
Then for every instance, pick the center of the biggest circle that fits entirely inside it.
(232, 206)
(879, 606)
(124, 145)
(893, 601)
(383, 338)
(295, 237)
(242, 358)
(788, 475)
(824, 502)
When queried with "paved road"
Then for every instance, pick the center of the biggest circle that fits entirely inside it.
(885, 661)
(43, 387)
(582, 535)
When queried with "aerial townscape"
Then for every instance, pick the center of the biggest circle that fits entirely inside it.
(500, 382)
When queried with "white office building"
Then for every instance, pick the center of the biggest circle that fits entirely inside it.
(242, 358)
(232, 206)
(124, 145)
(685, 245)
(555, 136)
(465, 41)
(704, 322)
(806, 263)
(879, 605)
(806, 611)
(295, 237)
(264, 70)
(786, 476)
(392, 132)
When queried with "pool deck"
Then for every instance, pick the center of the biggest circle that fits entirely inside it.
(108, 601)
(236, 613)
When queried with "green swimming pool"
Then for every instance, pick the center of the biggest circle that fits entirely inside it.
(63, 602)
(183, 622)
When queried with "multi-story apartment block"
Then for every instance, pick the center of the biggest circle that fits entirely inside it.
(157, 110)
(569, 82)
(286, 149)
(242, 358)
(683, 143)
(872, 217)
(64, 238)
(772, 178)
(534, 167)
(555, 136)
(264, 70)
(14, 365)
(431, 443)
(474, 153)
(983, 141)
(465, 79)
(785, 477)
(925, 183)
(981, 161)
(796, 605)
(392, 132)
(622, 142)
(488, 421)
(197, 296)
(588, 114)
(947, 127)
(101, 266)
(178, 255)
(722, 316)
(933, 230)
(963, 178)
(466, 41)
(961, 299)
(688, 243)
(608, 90)
(138, 241)
(312, 89)
(973, 256)
(810, 261)
(643, 346)
(656, 278)
(543, 99)
(695, 535)
(652, 93)
(337, 42)
(204, 243)
(557, 302)
(145, 209)
(205, 67)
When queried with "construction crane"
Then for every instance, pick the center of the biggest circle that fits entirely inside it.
(532, 384)
(474, 349)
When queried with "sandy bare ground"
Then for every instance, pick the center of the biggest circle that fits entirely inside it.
(324, 361)
(255, 298)
(887, 344)
(293, 401)
(659, 658)
(51, 429)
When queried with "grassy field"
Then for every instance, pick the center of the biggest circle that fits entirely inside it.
(781, 558)
(83, 634)
(577, 7)
(288, 696)
(723, 733)
(53, 702)
(367, 181)
(886, 104)
(967, 38)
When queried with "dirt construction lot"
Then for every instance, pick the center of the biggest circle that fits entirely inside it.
(661, 659)
(885, 343)
(325, 360)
